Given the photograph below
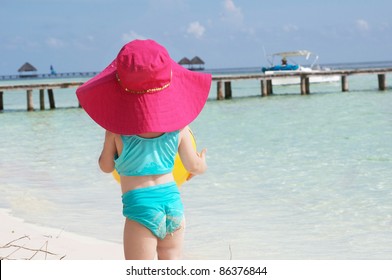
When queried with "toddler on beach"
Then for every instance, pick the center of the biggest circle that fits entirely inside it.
(145, 102)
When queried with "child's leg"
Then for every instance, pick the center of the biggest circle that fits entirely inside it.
(139, 242)
(170, 248)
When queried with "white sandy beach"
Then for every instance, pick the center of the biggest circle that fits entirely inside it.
(20, 240)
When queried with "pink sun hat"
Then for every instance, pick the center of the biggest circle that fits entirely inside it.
(144, 90)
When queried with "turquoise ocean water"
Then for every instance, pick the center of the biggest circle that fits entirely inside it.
(290, 176)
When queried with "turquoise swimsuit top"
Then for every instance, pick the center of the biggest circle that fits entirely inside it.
(147, 156)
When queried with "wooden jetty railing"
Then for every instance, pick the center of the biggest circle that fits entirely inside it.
(224, 90)
(48, 75)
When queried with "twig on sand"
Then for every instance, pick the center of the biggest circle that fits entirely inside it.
(40, 250)
(6, 245)
(18, 247)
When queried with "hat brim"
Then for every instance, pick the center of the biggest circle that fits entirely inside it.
(122, 112)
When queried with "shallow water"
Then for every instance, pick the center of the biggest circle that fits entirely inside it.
(290, 176)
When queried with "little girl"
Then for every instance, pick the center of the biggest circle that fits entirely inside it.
(145, 101)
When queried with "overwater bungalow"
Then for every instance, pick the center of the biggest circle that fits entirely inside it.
(185, 62)
(195, 63)
(27, 71)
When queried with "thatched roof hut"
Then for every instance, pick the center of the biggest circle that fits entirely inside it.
(197, 60)
(26, 70)
(27, 67)
(184, 61)
(197, 63)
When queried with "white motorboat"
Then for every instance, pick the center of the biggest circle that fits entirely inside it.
(290, 65)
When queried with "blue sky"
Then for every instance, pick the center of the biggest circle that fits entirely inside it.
(85, 35)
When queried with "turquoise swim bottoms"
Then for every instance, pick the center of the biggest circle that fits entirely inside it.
(159, 208)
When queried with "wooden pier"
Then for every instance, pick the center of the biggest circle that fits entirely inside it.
(41, 87)
(224, 90)
(48, 75)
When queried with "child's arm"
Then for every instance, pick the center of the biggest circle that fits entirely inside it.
(106, 160)
(194, 162)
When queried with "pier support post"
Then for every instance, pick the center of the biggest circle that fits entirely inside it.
(266, 87)
(344, 83)
(263, 85)
(1, 101)
(219, 90)
(269, 87)
(42, 99)
(29, 95)
(228, 94)
(305, 85)
(382, 83)
(51, 99)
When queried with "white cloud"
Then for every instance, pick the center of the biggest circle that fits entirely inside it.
(232, 11)
(362, 25)
(196, 29)
(232, 8)
(19, 42)
(290, 28)
(132, 35)
(54, 42)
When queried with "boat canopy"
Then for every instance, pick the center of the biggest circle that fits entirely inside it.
(305, 53)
